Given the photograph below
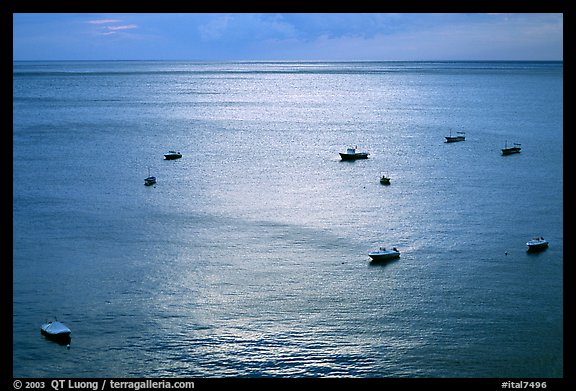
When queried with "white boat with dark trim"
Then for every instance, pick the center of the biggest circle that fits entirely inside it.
(510, 150)
(56, 331)
(351, 154)
(537, 244)
(382, 254)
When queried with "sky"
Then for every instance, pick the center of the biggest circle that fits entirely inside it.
(288, 36)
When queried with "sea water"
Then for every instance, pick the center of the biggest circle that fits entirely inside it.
(248, 258)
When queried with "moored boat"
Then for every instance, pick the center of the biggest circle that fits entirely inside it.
(382, 254)
(537, 244)
(172, 155)
(150, 180)
(452, 139)
(510, 150)
(56, 331)
(351, 154)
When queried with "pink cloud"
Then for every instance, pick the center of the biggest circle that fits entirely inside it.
(108, 27)
(125, 27)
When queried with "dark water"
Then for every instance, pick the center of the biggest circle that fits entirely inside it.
(249, 256)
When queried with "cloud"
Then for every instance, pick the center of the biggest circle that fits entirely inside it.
(215, 28)
(419, 37)
(110, 27)
(125, 27)
(103, 21)
(228, 28)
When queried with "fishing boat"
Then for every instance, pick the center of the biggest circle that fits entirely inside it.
(172, 155)
(537, 244)
(510, 150)
(452, 139)
(382, 254)
(150, 180)
(351, 154)
(56, 331)
(385, 180)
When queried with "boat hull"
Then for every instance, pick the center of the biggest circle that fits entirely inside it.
(172, 156)
(510, 151)
(354, 156)
(57, 332)
(454, 139)
(536, 246)
(384, 256)
(150, 181)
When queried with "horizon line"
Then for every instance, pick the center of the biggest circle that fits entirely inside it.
(279, 60)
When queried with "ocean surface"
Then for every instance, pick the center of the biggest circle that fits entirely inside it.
(249, 257)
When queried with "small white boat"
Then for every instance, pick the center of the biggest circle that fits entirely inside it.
(150, 180)
(510, 150)
(172, 155)
(56, 331)
(351, 154)
(452, 139)
(384, 255)
(537, 244)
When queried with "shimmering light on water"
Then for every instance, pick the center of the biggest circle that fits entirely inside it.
(249, 256)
